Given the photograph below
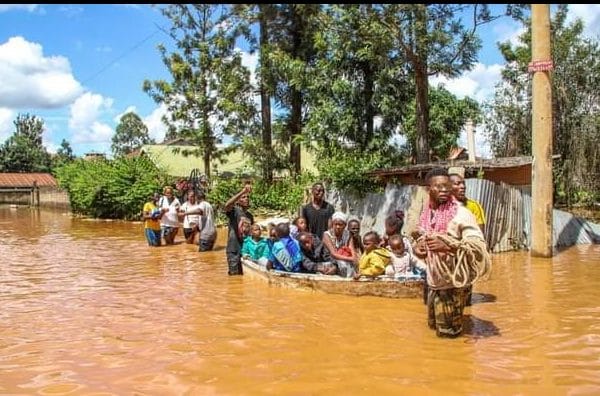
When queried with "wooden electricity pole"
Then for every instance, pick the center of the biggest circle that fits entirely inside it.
(541, 173)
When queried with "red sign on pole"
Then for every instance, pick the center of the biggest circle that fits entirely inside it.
(540, 65)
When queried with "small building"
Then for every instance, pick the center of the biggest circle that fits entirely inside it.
(94, 156)
(33, 189)
(514, 171)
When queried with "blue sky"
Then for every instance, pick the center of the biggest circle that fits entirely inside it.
(80, 67)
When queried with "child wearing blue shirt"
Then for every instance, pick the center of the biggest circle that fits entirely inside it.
(255, 246)
(285, 254)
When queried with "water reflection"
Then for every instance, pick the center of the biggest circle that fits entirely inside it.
(89, 308)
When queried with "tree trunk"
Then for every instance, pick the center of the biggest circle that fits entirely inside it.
(295, 130)
(421, 85)
(369, 112)
(296, 96)
(265, 98)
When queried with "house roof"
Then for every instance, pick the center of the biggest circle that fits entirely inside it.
(27, 179)
(495, 163)
(177, 164)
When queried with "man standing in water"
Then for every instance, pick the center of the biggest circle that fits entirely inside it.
(458, 190)
(450, 239)
(318, 212)
(208, 232)
(235, 213)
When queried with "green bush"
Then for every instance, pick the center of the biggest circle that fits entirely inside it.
(114, 189)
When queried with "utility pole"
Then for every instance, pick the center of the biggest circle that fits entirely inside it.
(541, 172)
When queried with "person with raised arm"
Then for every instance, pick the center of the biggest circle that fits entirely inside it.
(236, 208)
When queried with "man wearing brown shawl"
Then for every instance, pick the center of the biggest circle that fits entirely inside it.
(454, 251)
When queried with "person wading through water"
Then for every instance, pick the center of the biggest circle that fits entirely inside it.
(235, 213)
(454, 251)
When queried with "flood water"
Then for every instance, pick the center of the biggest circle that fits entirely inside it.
(87, 308)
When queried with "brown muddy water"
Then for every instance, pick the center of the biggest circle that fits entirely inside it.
(87, 308)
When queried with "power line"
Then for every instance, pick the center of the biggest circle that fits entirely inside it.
(121, 56)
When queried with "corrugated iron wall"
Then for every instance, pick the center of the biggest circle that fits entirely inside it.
(507, 209)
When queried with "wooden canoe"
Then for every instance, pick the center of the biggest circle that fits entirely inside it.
(381, 286)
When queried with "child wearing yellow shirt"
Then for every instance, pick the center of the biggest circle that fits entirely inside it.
(374, 259)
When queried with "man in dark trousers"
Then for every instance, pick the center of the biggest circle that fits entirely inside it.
(235, 213)
(318, 212)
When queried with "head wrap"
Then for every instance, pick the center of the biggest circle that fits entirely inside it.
(339, 216)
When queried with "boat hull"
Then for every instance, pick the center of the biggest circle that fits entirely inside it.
(382, 286)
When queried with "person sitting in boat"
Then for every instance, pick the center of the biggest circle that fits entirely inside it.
(403, 263)
(393, 226)
(354, 228)
(316, 258)
(285, 254)
(375, 258)
(341, 248)
(255, 246)
(298, 225)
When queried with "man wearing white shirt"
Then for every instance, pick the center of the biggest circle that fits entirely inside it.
(169, 222)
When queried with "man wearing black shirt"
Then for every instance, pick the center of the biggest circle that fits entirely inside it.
(234, 240)
(318, 212)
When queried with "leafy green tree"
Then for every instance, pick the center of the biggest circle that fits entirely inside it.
(243, 18)
(130, 135)
(291, 60)
(433, 40)
(447, 116)
(64, 155)
(355, 79)
(210, 96)
(23, 151)
(115, 189)
(575, 98)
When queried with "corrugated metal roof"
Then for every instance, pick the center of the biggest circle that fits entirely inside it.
(505, 162)
(27, 179)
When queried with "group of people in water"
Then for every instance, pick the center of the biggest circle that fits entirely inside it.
(447, 249)
(164, 215)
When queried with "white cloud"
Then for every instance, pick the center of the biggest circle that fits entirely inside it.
(506, 29)
(11, 7)
(477, 84)
(156, 127)
(130, 109)
(47, 139)
(7, 118)
(589, 14)
(84, 122)
(31, 80)
(250, 61)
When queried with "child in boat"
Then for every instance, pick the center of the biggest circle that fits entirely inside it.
(285, 254)
(255, 246)
(316, 258)
(393, 226)
(402, 263)
(375, 258)
(298, 225)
